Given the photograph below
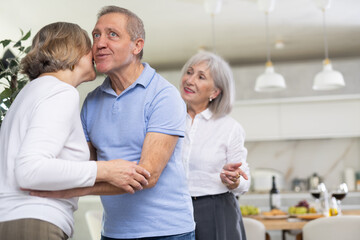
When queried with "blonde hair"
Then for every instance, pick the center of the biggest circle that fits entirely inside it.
(57, 46)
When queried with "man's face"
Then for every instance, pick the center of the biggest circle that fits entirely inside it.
(112, 47)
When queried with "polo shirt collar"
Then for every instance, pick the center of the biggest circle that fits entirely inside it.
(144, 79)
(146, 76)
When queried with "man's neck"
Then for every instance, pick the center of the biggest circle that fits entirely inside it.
(123, 78)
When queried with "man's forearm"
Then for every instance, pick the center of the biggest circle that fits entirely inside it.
(98, 189)
(104, 188)
(156, 152)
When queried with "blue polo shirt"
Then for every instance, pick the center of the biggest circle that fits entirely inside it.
(116, 126)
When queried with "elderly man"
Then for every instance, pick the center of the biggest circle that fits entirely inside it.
(138, 116)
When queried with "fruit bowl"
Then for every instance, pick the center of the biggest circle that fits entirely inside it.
(301, 208)
(249, 210)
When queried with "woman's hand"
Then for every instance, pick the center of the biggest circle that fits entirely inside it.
(230, 175)
(123, 174)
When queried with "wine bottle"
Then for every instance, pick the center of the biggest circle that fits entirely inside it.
(275, 201)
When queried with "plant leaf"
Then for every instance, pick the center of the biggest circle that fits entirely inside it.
(7, 103)
(27, 49)
(5, 42)
(13, 63)
(27, 35)
(17, 44)
(5, 94)
(4, 74)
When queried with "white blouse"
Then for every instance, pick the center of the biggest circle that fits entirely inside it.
(209, 144)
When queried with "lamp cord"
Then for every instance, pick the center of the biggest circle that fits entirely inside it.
(268, 54)
(213, 32)
(325, 36)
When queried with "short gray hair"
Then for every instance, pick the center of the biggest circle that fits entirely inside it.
(134, 27)
(222, 75)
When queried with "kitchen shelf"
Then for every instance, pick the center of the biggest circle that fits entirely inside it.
(300, 118)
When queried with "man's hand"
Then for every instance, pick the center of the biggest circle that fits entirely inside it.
(230, 175)
(123, 174)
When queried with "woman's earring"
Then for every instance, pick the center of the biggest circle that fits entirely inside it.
(210, 99)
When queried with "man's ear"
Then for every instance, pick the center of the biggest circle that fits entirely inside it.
(139, 45)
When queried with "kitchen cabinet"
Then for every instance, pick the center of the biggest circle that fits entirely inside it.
(260, 121)
(302, 118)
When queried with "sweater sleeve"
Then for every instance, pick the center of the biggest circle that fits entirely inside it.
(38, 165)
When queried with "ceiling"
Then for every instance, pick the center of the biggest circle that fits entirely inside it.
(177, 29)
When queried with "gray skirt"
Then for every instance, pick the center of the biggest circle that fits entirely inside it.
(218, 217)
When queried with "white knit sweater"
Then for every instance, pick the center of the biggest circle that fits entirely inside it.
(42, 146)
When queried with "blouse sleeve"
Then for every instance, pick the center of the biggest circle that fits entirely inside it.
(38, 165)
(238, 153)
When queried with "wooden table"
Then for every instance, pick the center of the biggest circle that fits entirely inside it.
(285, 225)
(282, 224)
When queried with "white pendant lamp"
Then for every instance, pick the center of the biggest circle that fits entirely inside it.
(270, 81)
(327, 79)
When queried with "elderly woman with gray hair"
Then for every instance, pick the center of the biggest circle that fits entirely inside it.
(213, 154)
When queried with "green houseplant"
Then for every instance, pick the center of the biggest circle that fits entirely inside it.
(11, 80)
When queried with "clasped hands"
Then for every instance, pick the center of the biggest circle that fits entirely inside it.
(123, 175)
(231, 173)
